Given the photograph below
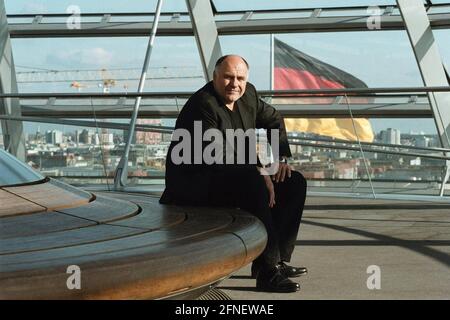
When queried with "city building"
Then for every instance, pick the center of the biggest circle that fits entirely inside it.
(53, 137)
(143, 137)
(390, 136)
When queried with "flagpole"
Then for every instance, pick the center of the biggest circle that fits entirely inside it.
(268, 148)
(271, 60)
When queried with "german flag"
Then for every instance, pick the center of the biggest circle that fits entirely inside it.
(294, 70)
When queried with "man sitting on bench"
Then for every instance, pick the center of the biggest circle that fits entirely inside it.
(201, 173)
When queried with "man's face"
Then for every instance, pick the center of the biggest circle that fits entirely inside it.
(230, 79)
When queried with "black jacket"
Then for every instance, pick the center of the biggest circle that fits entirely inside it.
(189, 183)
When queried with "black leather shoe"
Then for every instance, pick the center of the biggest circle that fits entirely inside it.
(288, 271)
(276, 283)
(291, 272)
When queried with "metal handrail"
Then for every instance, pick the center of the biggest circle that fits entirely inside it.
(165, 129)
(399, 146)
(262, 93)
(161, 177)
(342, 147)
(90, 124)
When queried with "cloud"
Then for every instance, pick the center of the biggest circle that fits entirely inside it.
(34, 8)
(85, 58)
(96, 56)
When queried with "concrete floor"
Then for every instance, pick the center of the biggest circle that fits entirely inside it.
(340, 238)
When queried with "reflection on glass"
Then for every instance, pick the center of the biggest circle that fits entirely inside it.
(15, 172)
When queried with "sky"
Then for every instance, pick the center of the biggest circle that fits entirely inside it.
(379, 58)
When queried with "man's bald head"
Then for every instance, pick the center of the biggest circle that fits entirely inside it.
(233, 57)
(230, 78)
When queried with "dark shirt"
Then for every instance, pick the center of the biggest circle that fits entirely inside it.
(235, 117)
(236, 122)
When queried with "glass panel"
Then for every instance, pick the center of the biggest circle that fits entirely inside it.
(80, 155)
(443, 44)
(87, 155)
(280, 15)
(20, 20)
(15, 172)
(225, 5)
(228, 17)
(257, 55)
(439, 1)
(87, 6)
(64, 19)
(137, 18)
(369, 56)
(379, 59)
(439, 9)
(396, 12)
(401, 174)
(328, 169)
(148, 154)
(409, 168)
(345, 13)
(411, 130)
(106, 64)
(105, 107)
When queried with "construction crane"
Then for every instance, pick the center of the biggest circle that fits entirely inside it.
(113, 77)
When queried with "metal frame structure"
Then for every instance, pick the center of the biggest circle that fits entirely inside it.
(206, 34)
(431, 68)
(406, 102)
(227, 22)
(429, 62)
(14, 139)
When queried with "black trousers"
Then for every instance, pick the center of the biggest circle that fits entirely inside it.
(246, 189)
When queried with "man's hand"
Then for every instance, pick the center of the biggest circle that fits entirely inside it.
(284, 170)
(271, 190)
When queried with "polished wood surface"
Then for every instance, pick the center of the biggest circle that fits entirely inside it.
(11, 204)
(127, 246)
(51, 195)
(17, 226)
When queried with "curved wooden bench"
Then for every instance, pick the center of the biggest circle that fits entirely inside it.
(46, 196)
(103, 209)
(11, 204)
(39, 223)
(127, 247)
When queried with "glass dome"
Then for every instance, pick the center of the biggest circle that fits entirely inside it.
(12, 171)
